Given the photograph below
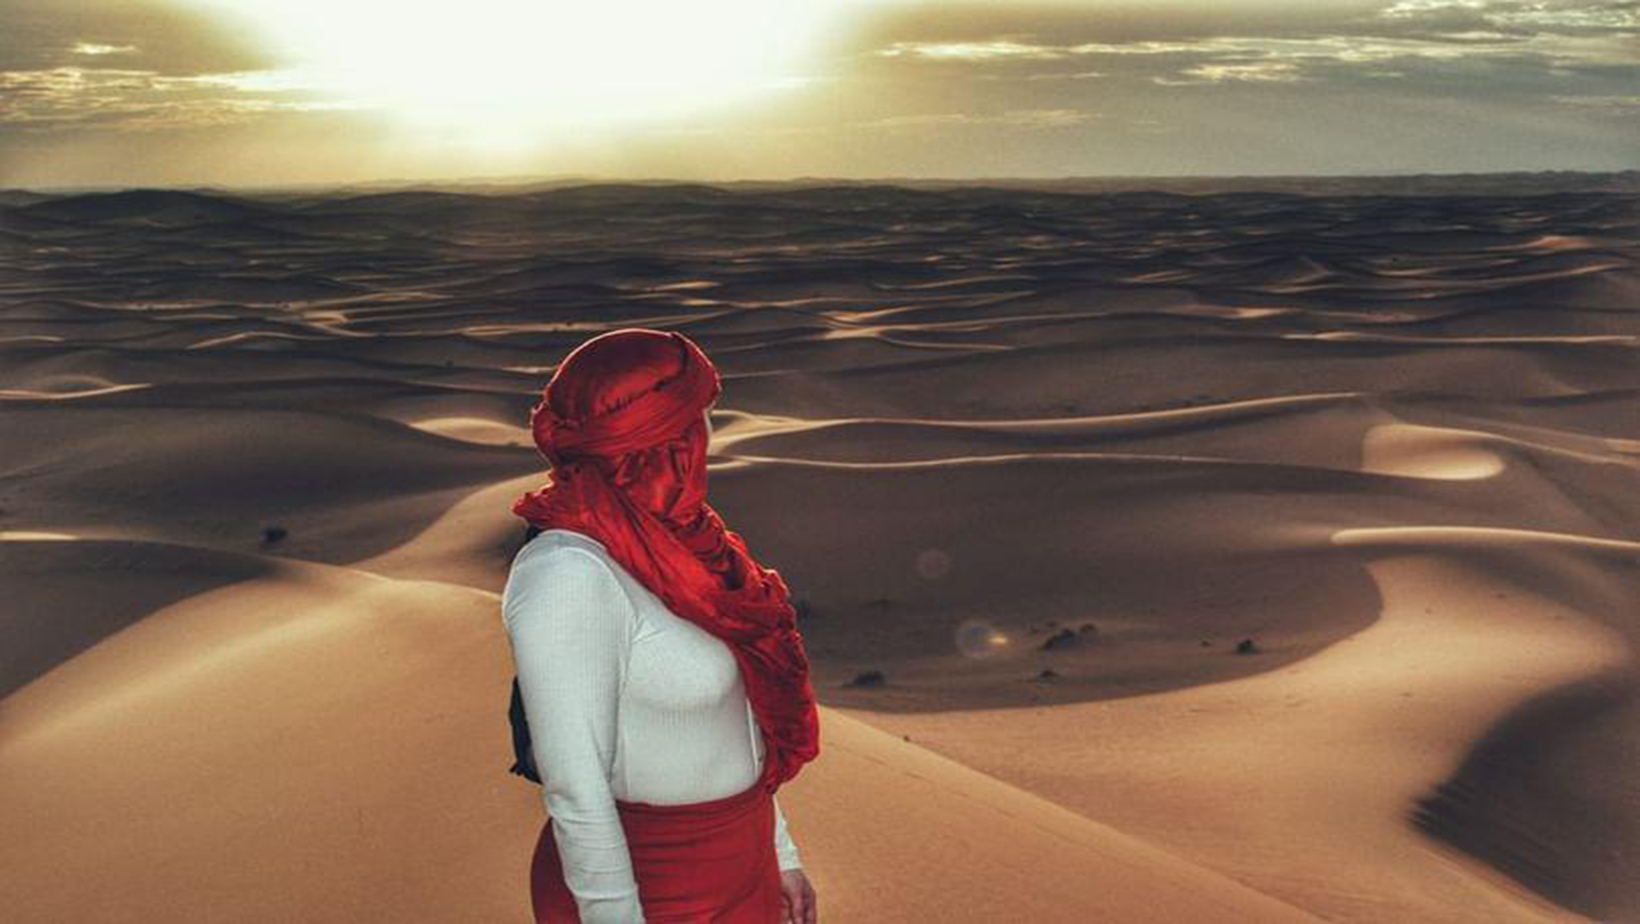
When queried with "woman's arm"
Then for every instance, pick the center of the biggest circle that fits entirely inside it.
(783, 846)
(569, 622)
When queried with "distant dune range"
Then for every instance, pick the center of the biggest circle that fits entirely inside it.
(1245, 555)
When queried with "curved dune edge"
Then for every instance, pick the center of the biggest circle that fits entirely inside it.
(328, 745)
(1300, 782)
(470, 544)
(745, 426)
(1458, 537)
(1429, 452)
(476, 430)
(1390, 445)
(34, 394)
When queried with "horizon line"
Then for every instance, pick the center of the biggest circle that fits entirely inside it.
(410, 183)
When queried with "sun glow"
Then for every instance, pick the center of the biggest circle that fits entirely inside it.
(527, 70)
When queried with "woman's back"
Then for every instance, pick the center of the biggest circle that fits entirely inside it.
(663, 700)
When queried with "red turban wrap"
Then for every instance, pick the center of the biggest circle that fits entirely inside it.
(621, 423)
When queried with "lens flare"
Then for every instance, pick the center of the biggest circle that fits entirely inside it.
(976, 637)
(933, 563)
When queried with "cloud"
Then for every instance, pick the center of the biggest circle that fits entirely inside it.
(96, 48)
(163, 36)
(1615, 105)
(63, 98)
(972, 51)
(1073, 75)
(132, 66)
(1021, 118)
(1343, 48)
(1005, 49)
(1269, 49)
(1539, 14)
(1258, 72)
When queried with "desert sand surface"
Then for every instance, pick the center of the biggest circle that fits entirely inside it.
(1247, 555)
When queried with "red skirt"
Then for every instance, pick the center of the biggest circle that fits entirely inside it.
(694, 864)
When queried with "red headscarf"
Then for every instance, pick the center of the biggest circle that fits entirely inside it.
(621, 423)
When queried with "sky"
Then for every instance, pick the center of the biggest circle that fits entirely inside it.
(254, 94)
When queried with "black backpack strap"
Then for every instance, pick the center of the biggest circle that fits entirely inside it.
(523, 756)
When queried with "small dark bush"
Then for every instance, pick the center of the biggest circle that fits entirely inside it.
(1064, 638)
(1048, 675)
(1246, 647)
(273, 534)
(871, 678)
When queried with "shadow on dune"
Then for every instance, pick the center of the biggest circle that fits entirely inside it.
(62, 597)
(1544, 795)
(1535, 798)
(341, 487)
(951, 578)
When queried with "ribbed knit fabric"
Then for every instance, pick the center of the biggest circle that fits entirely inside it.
(626, 700)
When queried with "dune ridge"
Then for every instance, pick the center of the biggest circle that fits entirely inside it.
(434, 654)
(1364, 731)
(1240, 555)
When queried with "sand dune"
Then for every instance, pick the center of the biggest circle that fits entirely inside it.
(476, 430)
(1300, 782)
(219, 477)
(283, 748)
(65, 596)
(1244, 555)
(257, 794)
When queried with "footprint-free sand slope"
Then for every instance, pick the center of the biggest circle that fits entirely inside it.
(1304, 782)
(322, 744)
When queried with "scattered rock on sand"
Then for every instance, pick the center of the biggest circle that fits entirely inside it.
(871, 678)
(1048, 675)
(1064, 638)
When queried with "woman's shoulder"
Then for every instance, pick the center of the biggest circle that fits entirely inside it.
(541, 542)
(563, 558)
(560, 553)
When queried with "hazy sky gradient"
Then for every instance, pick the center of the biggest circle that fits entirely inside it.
(233, 92)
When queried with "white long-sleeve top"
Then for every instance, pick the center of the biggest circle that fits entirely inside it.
(626, 700)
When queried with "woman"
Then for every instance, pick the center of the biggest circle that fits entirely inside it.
(660, 670)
